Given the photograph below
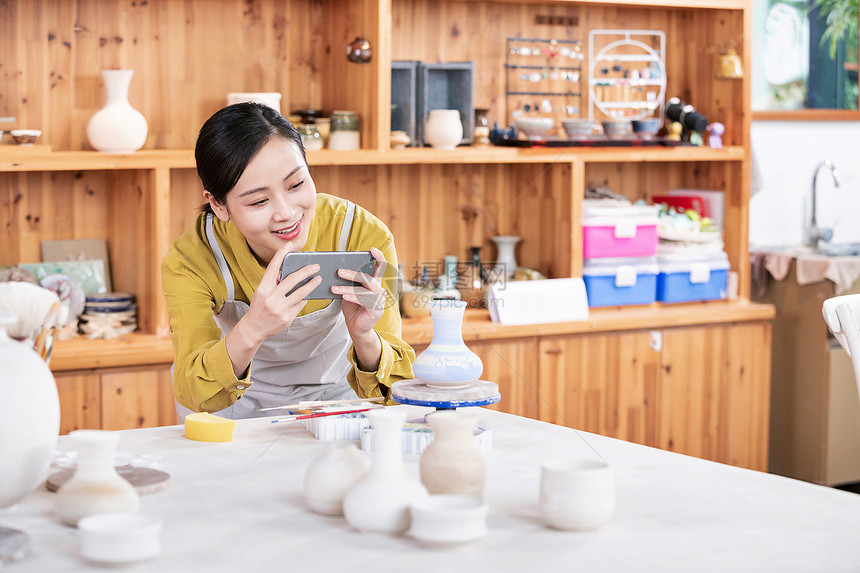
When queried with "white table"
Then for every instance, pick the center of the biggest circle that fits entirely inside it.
(239, 507)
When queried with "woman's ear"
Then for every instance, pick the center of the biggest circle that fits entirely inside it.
(217, 208)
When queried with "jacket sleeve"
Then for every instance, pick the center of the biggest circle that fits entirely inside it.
(397, 356)
(203, 377)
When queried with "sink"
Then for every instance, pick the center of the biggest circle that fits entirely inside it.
(824, 249)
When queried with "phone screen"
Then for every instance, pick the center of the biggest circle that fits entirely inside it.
(329, 262)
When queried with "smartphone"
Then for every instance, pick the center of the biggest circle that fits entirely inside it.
(329, 262)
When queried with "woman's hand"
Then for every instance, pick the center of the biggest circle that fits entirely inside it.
(271, 309)
(362, 308)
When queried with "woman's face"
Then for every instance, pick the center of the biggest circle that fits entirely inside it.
(273, 201)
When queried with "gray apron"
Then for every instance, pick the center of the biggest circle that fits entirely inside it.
(307, 361)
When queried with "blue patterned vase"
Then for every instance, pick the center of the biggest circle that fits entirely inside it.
(447, 362)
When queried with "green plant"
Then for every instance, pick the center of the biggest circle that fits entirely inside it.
(841, 17)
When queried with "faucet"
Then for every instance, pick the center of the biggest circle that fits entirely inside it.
(816, 233)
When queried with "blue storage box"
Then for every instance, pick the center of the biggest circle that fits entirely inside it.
(620, 281)
(686, 277)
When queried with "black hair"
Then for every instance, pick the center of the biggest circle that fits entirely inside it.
(231, 138)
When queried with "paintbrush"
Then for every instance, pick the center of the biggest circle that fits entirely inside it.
(319, 403)
(321, 414)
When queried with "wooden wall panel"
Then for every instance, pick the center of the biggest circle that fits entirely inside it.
(448, 208)
(187, 56)
(714, 393)
(80, 398)
(41, 206)
(603, 383)
(137, 399)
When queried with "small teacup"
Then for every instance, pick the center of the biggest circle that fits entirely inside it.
(576, 495)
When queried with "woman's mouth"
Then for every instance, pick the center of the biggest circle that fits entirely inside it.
(289, 233)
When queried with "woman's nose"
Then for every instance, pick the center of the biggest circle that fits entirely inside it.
(284, 209)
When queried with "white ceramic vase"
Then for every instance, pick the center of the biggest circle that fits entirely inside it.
(506, 260)
(29, 417)
(443, 129)
(379, 502)
(95, 487)
(117, 127)
(447, 362)
(453, 463)
(331, 475)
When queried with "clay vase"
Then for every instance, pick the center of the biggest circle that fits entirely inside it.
(29, 417)
(95, 487)
(117, 127)
(331, 475)
(453, 462)
(443, 129)
(379, 501)
(447, 362)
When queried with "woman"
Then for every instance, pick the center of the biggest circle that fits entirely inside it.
(240, 343)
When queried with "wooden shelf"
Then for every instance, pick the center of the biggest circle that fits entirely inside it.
(144, 349)
(132, 350)
(184, 158)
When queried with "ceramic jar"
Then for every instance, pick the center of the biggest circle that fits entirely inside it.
(453, 463)
(482, 127)
(29, 417)
(506, 261)
(117, 127)
(95, 487)
(447, 362)
(379, 501)
(311, 137)
(443, 129)
(576, 495)
(344, 134)
(331, 475)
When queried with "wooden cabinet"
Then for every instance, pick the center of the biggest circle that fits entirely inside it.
(116, 398)
(436, 202)
(694, 390)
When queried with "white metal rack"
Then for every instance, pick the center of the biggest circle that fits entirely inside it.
(621, 92)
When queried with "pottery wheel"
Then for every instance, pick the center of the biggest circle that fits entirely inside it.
(144, 480)
(417, 393)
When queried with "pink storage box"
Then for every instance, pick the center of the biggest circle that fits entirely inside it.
(619, 231)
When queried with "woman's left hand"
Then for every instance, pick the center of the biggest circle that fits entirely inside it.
(363, 305)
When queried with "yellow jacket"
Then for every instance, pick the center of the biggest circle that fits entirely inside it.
(203, 378)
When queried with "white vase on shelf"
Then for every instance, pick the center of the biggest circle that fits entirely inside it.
(506, 261)
(117, 127)
(443, 129)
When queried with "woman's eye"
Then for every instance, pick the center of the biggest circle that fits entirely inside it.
(297, 185)
(258, 203)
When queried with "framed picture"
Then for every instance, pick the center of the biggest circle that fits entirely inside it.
(805, 58)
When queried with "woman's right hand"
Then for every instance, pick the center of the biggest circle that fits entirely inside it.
(271, 309)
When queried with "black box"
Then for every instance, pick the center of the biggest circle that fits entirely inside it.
(446, 86)
(404, 98)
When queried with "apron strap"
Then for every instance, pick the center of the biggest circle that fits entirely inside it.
(347, 225)
(219, 257)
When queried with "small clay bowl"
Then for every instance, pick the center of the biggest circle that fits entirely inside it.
(534, 127)
(25, 137)
(448, 520)
(616, 128)
(646, 127)
(120, 537)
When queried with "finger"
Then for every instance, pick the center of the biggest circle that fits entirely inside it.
(381, 263)
(305, 290)
(290, 281)
(363, 297)
(273, 270)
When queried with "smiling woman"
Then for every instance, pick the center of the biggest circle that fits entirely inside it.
(241, 342)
